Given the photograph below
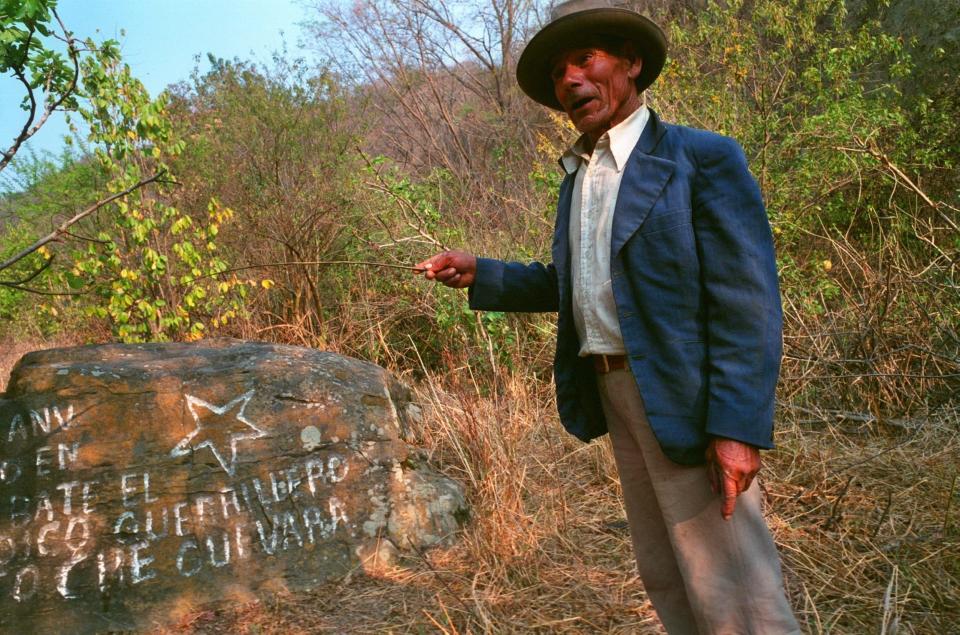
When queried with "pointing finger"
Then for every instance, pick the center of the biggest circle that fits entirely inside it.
(729, 497)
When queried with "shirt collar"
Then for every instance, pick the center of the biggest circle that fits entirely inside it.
(623, 137)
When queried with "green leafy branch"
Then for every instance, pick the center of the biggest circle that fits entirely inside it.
(35, 65)
(39, 246)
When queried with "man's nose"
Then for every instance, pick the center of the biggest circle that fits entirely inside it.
(571, 77)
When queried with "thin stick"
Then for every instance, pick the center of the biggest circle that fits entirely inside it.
(835, 512)
(883, 516)
(367, 263)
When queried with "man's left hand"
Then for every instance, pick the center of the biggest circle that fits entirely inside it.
(731, 465)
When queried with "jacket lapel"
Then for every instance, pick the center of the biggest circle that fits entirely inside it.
(644, 178)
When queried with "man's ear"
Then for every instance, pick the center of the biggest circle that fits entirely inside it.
(629, 52)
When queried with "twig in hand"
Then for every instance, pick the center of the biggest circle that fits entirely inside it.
(367, 263)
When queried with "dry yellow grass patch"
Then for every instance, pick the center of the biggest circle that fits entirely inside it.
(861, 512)
(864, 512)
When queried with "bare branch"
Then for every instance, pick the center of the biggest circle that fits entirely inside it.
(38, 291)
(19, 283)
(85, 238)
(294, 263)
(24, 133)
(56, 233)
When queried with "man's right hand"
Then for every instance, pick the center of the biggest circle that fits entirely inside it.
(455, 269)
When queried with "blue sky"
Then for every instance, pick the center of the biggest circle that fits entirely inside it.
(161, 42)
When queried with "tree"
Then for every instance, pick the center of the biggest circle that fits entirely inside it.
(134, 259)
(26, 28)
(50, 79)
(437, 77)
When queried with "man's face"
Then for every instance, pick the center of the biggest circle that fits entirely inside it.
(596, 86)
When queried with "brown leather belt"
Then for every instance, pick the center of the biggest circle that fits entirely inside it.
(606, 363)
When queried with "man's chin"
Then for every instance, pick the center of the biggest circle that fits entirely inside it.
(589, 125)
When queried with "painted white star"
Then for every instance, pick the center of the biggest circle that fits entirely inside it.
(214, 434)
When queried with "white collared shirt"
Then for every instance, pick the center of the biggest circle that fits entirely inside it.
(591, 223)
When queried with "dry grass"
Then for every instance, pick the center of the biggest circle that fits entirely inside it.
(865, 518)
(861, 513)
(547, 549)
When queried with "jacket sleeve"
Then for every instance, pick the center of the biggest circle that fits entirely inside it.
(512, 286)
(739, 277)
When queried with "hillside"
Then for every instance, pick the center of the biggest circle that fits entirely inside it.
(284, 198)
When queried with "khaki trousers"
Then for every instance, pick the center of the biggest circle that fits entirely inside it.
(703, 575)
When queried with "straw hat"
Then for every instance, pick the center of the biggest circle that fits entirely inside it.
(577, 21)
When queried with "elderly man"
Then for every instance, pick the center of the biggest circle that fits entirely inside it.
(669, 326)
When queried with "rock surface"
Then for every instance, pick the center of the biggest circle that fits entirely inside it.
(139, 480)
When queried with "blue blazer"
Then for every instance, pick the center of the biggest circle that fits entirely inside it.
(695, 283)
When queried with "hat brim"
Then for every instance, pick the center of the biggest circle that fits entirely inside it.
(533, 68)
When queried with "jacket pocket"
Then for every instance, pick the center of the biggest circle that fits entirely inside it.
(658, 222)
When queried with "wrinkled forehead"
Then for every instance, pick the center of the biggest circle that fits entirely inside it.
(613, 44)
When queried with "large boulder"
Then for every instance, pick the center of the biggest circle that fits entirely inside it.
(139, 480)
